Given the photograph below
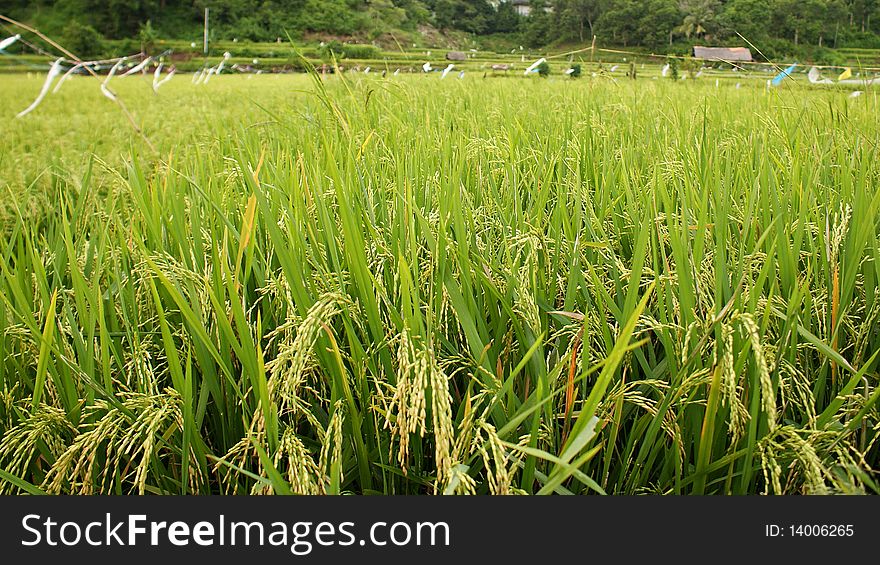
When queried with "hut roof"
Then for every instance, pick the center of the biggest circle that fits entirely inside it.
(723, 53)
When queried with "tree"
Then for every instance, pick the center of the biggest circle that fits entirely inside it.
(749, 18)
(859, 14)
(416, 12)
(475, 16)
(646, 23)
(806, 21)
(83, 40)
(385, 14)
(540, 27)
(506, 18)
(620, 22)
(699, 17)
(148, 37)
(657, 25)
(119, 19)
(445, 13)
(575, 18)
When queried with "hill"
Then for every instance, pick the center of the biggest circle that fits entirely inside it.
(778, 27)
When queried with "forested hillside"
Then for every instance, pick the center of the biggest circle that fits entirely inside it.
(776, 24)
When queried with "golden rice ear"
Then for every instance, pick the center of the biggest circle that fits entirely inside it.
(768, 394)
(288, 369)
(19, 444)
(791, 463)
(302, 473)
(498, 462)
(117, 451)
(418, 375)
(460, 482)
(330, 461)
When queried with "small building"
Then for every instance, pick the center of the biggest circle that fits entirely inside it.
(456, 56)
(521, 7)
(722, 53)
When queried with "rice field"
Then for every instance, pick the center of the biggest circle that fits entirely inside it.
(413, 286)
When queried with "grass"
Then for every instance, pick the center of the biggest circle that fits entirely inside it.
(412, 286)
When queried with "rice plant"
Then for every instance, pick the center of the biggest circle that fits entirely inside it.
(408, 286)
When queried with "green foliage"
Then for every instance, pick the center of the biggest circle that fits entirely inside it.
(653, 24)
(576, 70)
(341, 50)
(543, 69)
(474, 16)
(700, 18)
(689, 66)
(540, 27)
(575, 19)
(631, 22)
(147, 36)
(807, 21)
(673, 68)
(749, 18)
(506, 19)
(83, 40)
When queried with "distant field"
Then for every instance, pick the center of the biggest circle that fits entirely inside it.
(408, 285)
(273, 56)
